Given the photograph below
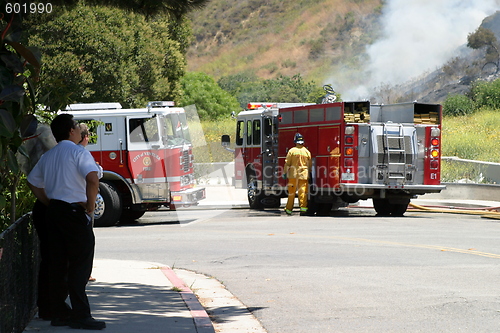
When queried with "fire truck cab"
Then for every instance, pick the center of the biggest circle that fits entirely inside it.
(146, 156)
(387, 153)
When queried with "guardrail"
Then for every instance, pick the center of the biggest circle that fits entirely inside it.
(473, 171)
(219, 173)
(467, 191)
(19, 261)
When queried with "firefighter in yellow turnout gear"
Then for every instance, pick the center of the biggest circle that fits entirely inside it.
(297, 167)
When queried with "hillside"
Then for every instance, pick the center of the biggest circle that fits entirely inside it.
(272, 37)
(370, 49)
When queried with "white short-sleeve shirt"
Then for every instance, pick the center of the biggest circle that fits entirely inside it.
(100, 173)
(62, 170)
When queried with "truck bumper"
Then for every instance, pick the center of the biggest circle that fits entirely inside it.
(430, 188)
(361, 189)
(188, 197)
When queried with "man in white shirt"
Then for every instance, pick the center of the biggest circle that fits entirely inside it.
(65, 180)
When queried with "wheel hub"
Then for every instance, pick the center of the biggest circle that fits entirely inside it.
(99, 206)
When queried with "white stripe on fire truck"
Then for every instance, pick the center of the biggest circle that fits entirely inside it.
(154, 180)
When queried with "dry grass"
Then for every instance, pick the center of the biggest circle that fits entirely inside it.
(267, 44)
(474, 137)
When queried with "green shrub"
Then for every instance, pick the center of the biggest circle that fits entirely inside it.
(486, 94)
(24, 202)
(458, 105)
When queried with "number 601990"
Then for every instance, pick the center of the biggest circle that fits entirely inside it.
(28, 8)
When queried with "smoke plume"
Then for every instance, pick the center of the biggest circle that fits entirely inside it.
(418, 36)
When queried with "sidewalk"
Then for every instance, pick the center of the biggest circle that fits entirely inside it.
(135, 296)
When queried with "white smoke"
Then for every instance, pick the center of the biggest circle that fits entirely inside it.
(418, 36)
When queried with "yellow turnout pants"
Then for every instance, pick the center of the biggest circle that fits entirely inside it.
(302, 186)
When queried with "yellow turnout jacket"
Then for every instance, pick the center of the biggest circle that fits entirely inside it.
(298, 162)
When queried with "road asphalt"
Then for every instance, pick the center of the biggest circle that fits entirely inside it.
(136, 296)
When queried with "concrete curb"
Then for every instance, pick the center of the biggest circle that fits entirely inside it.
(200, 317)
(228, 313)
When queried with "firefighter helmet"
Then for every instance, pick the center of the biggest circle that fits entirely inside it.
(298, 139)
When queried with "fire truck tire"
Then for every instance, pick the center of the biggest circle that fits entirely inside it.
(108, 206)
(384, 208)
(399, 209)
(257, 199)
(254, 194)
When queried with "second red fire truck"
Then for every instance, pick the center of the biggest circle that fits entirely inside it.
(146, 155)
(387, 153)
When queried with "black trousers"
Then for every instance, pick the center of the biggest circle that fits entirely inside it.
(71, 243)
(42, 230)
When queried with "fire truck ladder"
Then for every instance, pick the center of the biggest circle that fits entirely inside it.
(395, 150)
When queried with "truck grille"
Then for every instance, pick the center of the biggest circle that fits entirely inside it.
(185, 160)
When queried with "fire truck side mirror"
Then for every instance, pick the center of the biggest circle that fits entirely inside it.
(225, 141)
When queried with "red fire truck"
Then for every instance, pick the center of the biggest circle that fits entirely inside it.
(146, 155)
(387, 153)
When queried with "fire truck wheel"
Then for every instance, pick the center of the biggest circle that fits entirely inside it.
(257, 199)
(254, 194)
(382, 207)
(108, 206)
(399, 209)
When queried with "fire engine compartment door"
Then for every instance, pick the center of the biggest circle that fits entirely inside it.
(328, 158)
(146, 157)
(112, 139)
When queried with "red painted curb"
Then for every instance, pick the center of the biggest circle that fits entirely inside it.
(201, 319)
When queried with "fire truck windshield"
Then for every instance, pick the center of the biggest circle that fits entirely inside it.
(176, 131)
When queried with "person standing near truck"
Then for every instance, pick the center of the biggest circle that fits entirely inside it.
(297, 166)
(65, 180)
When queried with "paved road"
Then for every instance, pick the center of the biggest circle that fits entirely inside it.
(353, 272)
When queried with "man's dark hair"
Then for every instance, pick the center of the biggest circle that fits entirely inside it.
(61, 126)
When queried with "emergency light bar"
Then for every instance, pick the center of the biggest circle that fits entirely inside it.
(93, 106)
(253, 106)
(160, 104)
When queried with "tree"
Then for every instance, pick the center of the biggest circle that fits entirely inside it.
(283, 89)
(149, 8)
(117, 63)
(483, 37)
(212, 102)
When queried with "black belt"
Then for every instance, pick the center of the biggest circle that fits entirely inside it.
(72, 205)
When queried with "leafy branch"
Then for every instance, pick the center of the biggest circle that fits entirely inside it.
(19, 70)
